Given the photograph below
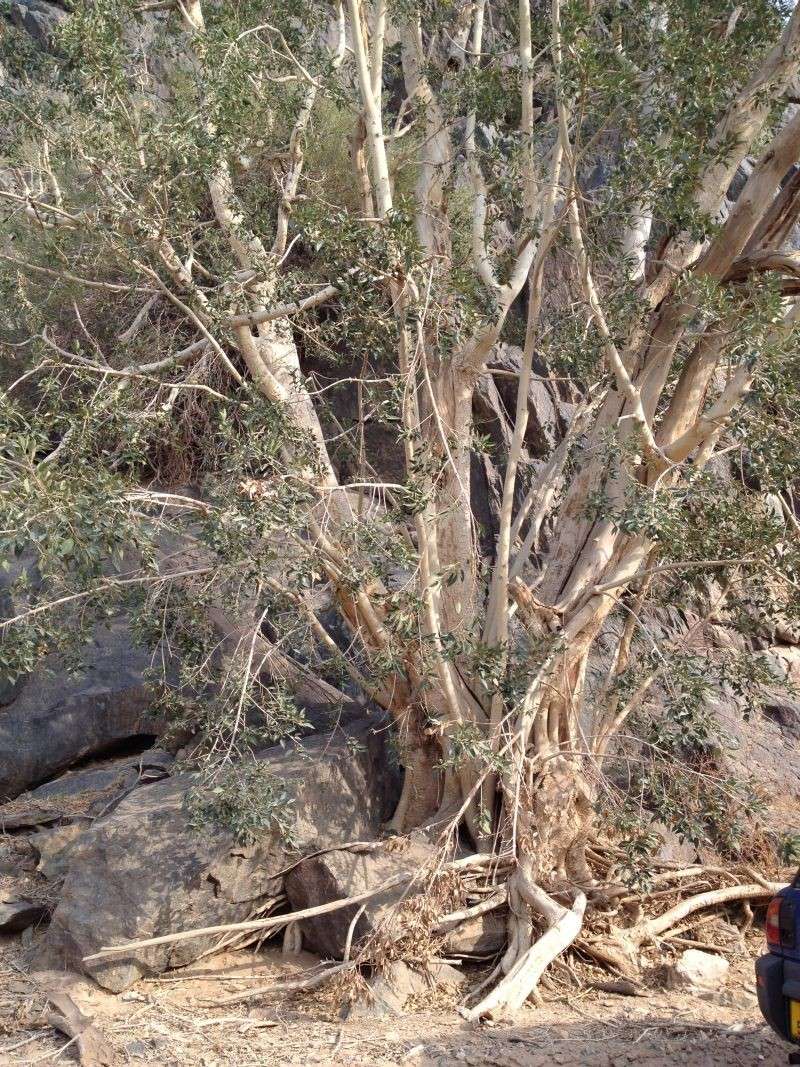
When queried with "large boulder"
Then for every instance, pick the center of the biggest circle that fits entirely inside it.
(39, 18)
(339, 874)
(144, 870)
(86, 792)
(345, 873)
(57, 719)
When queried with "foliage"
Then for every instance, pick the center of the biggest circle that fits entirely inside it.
(244, 799)
(304, 485)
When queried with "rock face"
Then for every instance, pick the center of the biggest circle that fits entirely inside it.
(17, 915)
(143, 871)
(496, 398)
(763, 741)
(56, 720)
(38, 18)
(88, 792)
(334, 875)
(696, 970)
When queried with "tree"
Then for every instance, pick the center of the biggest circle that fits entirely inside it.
(553, 174)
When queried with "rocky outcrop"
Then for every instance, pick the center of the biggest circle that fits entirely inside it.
(87, 792)
(145, 870)
(57, 719)
(40, 18)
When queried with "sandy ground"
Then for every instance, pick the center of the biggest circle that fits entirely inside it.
(178, 1020)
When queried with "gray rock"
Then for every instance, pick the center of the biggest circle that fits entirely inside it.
(673, 849)
(89, 791)
(481, 937)
(697, 970)
(390, 990)
(143, 871)
(55, 848)
(38, 18)
(785, 712)
(334, 875)
(761, 747)
(57, 720)
(140, 1050)
(496, 397)
(387, 993)
(18, 915)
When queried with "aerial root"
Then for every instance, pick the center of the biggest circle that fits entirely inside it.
(520, 983)
(651, 929)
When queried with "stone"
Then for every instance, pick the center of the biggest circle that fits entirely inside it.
(38, 18)
(144, 870)
(343, 873)
(757, 749)
(731, 998)
(480, 937)
(698, 971)
(784, 711)
(56, 720)
(55, 847)
(18, 915)
(497, 396)
(85, 792)
(673, 848)
(140, 1050)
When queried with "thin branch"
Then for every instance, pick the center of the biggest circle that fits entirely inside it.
(284, 311)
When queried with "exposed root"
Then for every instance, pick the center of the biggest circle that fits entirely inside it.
(658, 927)
(508, 996)
(621, 949)
(450, 922)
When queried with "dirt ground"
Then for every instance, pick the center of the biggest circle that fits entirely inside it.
(178, 1020)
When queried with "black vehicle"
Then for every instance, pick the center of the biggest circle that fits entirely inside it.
(778, 972)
